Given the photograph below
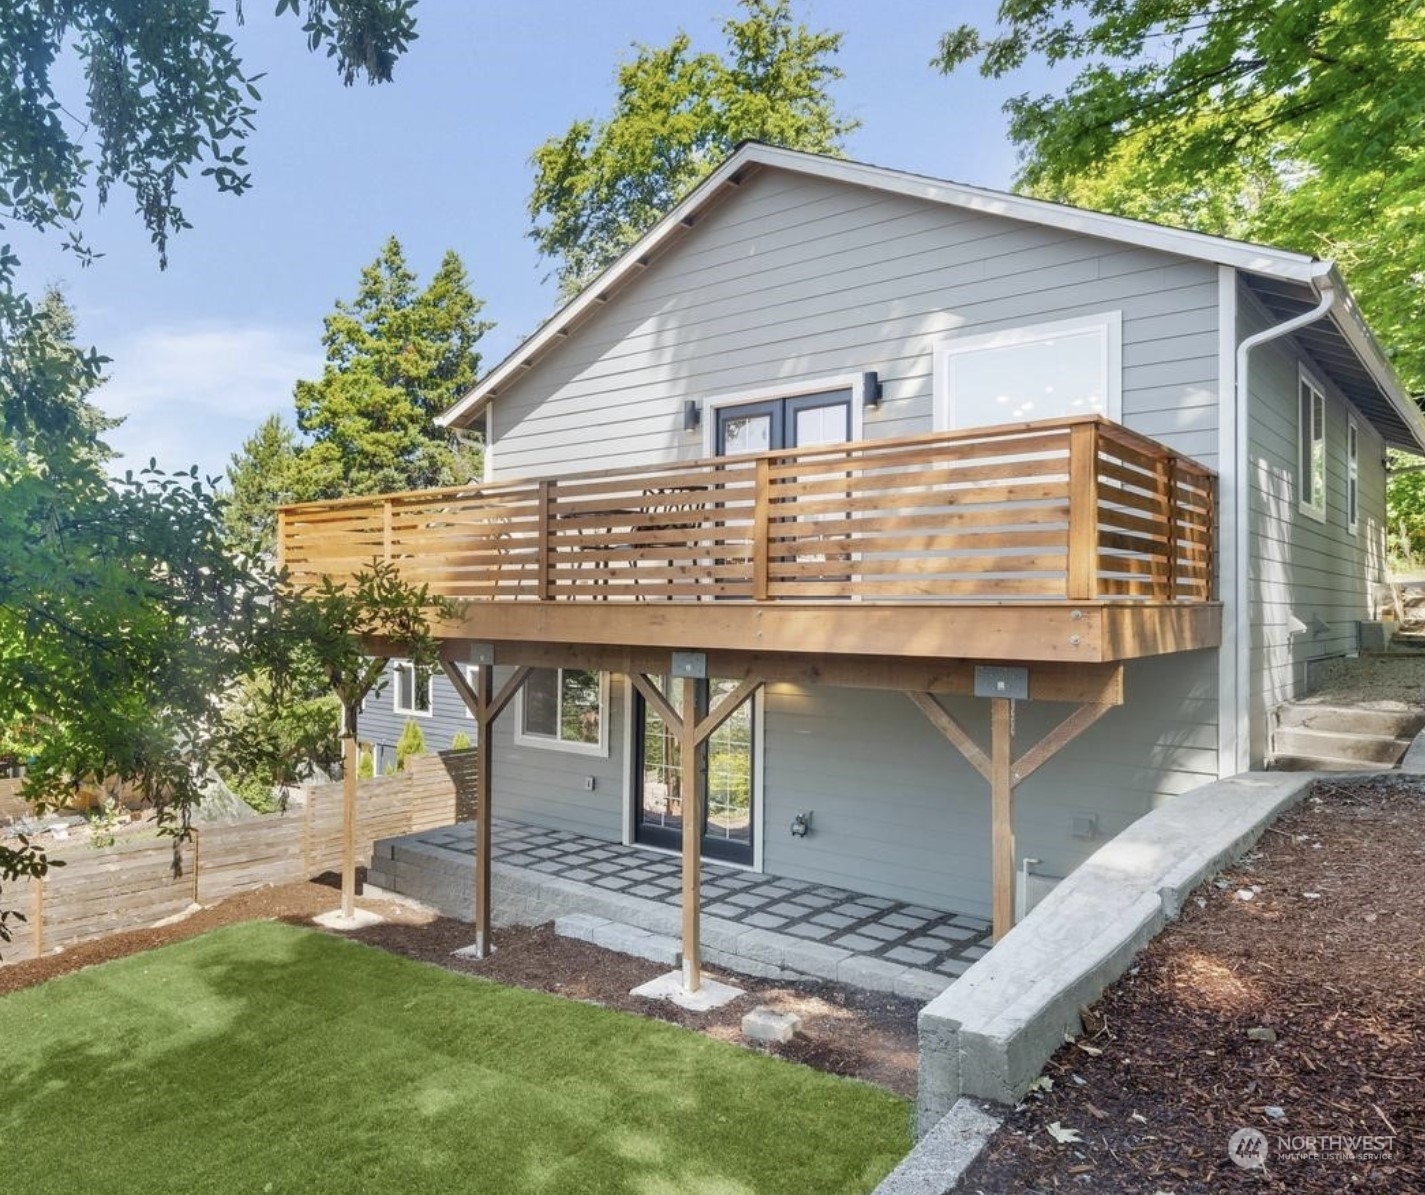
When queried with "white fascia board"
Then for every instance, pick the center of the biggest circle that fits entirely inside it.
(1358, 335)
(1257, 259)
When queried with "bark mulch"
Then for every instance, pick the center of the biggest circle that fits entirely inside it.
(865, 1035)
(1289, 999)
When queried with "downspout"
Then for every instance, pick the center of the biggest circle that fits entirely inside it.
(1322, 283)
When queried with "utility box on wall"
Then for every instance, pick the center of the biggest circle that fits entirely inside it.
(1374, 636)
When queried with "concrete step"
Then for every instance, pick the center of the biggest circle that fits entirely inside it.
(1305, 763)
(1352, 719)
(1342, 745)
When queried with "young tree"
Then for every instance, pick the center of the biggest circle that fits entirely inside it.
(1292, 123)
(604, 183)
(397, 356)
(340, 624)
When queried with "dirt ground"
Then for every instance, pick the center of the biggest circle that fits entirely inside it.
(1287, 1000)
(846, 1031)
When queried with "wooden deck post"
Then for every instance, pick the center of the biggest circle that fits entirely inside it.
(349, 767)
(1002, 816)
(1170, 484)
(691, 759)
(762, 531)
(484, 800)
(485, 705)
(544, 581)
(1005, 773)
(1082, 581)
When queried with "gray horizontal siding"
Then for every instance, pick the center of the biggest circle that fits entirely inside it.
(798, 279)
(899, 813)
(380, 725)
(1301, 570)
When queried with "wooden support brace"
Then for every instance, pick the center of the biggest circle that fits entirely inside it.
(959, 737)
(651, 693)
(1057, 739)
(728, 706)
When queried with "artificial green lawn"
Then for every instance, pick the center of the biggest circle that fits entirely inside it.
(269, 1059)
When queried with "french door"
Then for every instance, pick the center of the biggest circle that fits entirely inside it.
(798, 421)
(729, 759)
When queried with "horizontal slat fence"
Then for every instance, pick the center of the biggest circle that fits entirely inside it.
(1060, 510)
(134, 884)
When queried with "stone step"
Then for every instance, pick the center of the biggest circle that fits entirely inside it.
(1303, 763)
(1352, 719)
(1342, 745)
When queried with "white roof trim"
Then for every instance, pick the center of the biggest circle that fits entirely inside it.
(1256, 259)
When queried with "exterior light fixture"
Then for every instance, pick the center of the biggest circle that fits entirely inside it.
(692, 415)
(871, 389)
(801, 824)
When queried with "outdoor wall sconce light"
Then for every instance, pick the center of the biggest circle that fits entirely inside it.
(692, 415)
(801, 824)
(871, 389)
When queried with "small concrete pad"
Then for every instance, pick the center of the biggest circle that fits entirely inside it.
(767, 1024)
(359, 919)
(472, 952)
(670, 987)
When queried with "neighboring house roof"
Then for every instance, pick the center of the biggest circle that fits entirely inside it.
(1284, 281)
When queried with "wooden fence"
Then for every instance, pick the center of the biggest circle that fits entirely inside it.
(134, 884)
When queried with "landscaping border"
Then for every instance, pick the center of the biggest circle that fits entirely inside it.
(990, 1033)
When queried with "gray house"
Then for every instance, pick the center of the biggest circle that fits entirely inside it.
(831, 435)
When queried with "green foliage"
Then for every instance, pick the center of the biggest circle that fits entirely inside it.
(105, 821)
(164, 95)
(604, 183)
(365, 766)
(273, 734)
(335, 623)
(261, 477)
(1294, 123)
(460, 741)
(411, 742)
(1405, 500)
(397, 356)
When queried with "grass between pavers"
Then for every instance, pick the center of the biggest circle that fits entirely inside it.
(271, 1059)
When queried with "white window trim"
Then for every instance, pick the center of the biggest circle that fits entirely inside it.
(546, 743)
(1353, 475)
(1311, 509)
(396, 665)
(759, 804)
(472, 678)
(1109, 323)
(854, 382)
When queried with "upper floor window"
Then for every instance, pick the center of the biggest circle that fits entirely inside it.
(563, 708)
(1353, 477)
(1311, 428)
(1043, 371)
(414, 689)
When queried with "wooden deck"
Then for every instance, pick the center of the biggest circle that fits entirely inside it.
(1066, 540)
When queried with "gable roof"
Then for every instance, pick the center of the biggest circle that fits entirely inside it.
(1283, 280)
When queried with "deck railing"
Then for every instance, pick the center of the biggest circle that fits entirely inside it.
(1062, 510)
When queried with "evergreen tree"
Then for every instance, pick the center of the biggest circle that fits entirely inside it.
(397, 356)
(261, 477)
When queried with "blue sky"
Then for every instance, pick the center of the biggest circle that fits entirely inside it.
(204, 351)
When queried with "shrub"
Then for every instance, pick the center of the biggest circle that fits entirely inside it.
(411, 742)
(460, 741)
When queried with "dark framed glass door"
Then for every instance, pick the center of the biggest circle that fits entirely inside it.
(799, 421)
(729, 762)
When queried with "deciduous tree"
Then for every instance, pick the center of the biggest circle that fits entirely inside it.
(604, 183)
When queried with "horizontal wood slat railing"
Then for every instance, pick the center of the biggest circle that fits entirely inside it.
(1062, 510)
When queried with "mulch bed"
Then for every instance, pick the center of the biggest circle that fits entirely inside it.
(846, 1031)
(1289, 999)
